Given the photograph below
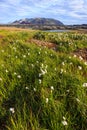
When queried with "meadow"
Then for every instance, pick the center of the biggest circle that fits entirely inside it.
(43, 80)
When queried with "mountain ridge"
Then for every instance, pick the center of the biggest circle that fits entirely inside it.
(38, 21)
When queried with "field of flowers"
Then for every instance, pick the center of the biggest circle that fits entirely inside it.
(42, 88)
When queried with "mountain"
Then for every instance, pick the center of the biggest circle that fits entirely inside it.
(38, 21)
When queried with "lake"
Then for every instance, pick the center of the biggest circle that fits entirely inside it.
(57, 30)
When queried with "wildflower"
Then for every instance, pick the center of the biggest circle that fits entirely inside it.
(0, 79)
(46, 66)
(84, 84)
(75, 56)
(47, 100)
(61, 71)
(28, 54)
(12, 110)
(70, 63)
(24, 56)
(63, 63)
(64, 123)
(67, 90)
(15, 73)
(26, 88)
(55, 69)
(42, 65)
(2, 50)
(34, 89)
(39, 52)
(79, 67)
(65, 71)
(45, 52)
(60, 44)
(52, 88)
(85, 63)
(77, 100)
(2, 65)
(64, 118)
(32, 65)
(80, 58)
(40, 74)
(16, 56)
(19, 76)
(40, 81)
(6, 71)
(37, 61)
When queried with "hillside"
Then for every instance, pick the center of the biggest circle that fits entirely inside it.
(38, 21)
(43, 80)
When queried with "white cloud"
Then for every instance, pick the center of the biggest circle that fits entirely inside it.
(59, 9)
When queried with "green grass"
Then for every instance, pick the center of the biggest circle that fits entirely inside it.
(41, 89)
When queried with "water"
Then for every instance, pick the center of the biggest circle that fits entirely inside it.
(57, 30)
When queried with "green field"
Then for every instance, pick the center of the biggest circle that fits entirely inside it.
(43, 87)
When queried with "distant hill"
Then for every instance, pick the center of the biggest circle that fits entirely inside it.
(38, 21)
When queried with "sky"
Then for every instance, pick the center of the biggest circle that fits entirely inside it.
(66, 11)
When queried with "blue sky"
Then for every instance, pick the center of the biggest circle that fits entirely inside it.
(67, 11)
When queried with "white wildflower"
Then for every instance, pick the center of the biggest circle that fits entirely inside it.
(12, 110)
(32, 65)
(26, 88)
(45, 52)
(85, 63)
(65, 71)
(2, 65)
(6, 71)
(37, 61)
(34, 89)
(15, 73)
(0, 79)
(80, 58)
(77, 100)
(47, 100)
(2, 50)
(80, 67)
(61, 71)
(39, 52)
(71, 63)
(84, 84)
(24, 56)
(63, 63)
(28, 54)
(40, 81)
(64, 118)
(52, 88)
(55, 69)
(75, 56)
(42, 65)
(64, 123)
(19, 76)
(67, 91)
(16, 56)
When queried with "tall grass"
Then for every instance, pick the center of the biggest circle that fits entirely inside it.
(41, 89)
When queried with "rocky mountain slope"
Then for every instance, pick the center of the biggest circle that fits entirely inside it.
(38, 21)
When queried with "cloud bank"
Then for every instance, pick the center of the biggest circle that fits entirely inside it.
(69, 12)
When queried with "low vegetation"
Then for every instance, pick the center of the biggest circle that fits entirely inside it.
(42, 88)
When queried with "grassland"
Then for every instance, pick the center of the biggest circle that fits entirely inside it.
(43, 80)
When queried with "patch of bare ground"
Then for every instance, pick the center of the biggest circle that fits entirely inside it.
(44, 44)
(81, 53)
